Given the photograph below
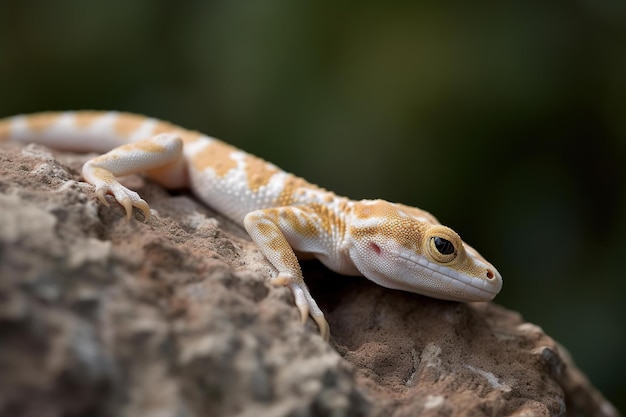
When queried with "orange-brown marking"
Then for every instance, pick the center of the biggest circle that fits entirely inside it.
(278, 243)
(42, 121)
(127, 123)
(405, 230)
(216, 155)
(145, 146)
(5, 129)
(301, 224)
(378, 208)
(84, 119)
(329, 218)
(266, 229)
(104, 175)
(258, 172)
(288, 258)
(292, 184)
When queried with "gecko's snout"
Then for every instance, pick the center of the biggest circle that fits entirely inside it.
(493, 279)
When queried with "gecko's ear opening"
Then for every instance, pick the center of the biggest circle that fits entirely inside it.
(375, 248)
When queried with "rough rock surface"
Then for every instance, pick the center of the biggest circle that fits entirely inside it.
(174, 317)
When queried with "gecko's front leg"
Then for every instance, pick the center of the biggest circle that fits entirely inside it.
(160, 156)
(276, 231)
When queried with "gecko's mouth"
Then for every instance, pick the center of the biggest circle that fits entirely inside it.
(459, 286)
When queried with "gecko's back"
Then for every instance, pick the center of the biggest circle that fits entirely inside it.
(230, 180)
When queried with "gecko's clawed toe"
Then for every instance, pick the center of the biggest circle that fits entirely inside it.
(101, 194)
(125, 197)
(307, 306)
(144, 207)
(323, 326)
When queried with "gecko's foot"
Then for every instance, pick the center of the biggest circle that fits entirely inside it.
(127, 198)
(305, 302)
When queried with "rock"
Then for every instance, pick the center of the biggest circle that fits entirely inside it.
(174, 317)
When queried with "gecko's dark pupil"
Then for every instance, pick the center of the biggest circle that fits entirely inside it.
(445, 247)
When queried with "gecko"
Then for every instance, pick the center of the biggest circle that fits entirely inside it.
(392, 244)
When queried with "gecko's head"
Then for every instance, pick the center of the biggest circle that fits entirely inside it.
(400, 249)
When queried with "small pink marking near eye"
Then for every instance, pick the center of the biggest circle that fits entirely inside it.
(489, 274)
(375, 248)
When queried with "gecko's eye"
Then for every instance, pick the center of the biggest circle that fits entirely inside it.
(443, 246)
(442, 250)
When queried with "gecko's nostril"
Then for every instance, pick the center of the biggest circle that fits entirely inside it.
(490, 274)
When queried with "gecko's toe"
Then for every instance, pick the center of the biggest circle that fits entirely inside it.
(129, 203)
(324, 327)
(304, 301)
(307, 306)
(128, 207)
(101, 194)
(125, 197)
(144, 207)
(301, 302)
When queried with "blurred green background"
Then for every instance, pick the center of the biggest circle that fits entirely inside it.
(507, 120)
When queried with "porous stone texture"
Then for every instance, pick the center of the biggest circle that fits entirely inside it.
(174, 317)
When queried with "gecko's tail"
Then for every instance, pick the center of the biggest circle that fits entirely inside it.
(80, 131)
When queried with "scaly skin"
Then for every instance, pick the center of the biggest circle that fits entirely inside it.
(394, 245)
